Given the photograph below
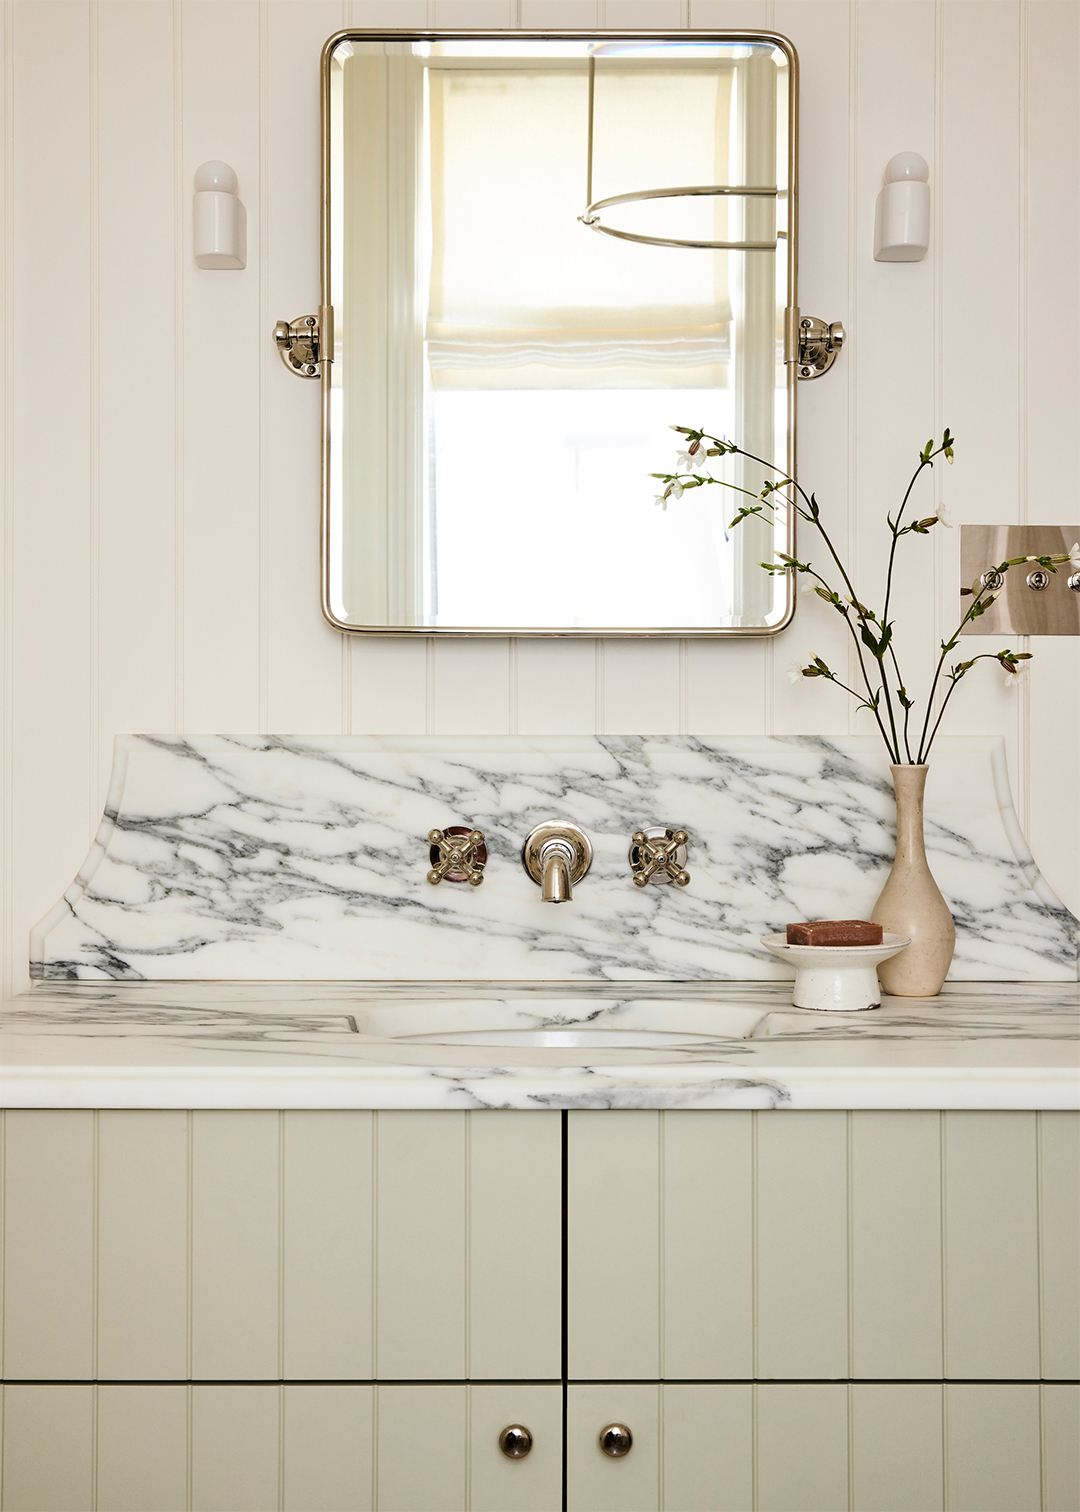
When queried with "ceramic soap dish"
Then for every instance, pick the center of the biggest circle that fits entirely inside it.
(839, 977)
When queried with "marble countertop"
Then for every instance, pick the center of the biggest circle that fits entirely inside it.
(355, 1045)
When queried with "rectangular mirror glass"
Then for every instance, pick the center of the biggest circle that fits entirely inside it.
(541, 254)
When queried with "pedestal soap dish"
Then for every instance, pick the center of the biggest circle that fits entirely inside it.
(839, 977)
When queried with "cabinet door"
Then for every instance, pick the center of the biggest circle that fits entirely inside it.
(258, 1448)
(823, 1245)
(818, 1448)
(233, 1245)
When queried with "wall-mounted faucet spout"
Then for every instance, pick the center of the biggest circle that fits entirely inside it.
(556, 856)
(556, 875)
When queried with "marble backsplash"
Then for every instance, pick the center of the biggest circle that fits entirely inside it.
(305, 858)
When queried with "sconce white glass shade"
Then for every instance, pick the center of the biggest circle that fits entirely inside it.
(220, 219)
(902, 220)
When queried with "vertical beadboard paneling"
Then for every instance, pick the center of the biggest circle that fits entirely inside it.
(422, 1448)
(49, 1246)
(822, 35)
(142, 1448)
(515, 1252)
(991, 1246)
(802, 1251)
(895, 403)
(329, 1449)
(569, 13)
(801, 1448)
(738, 14)
(234, 1245)
(136, 571)
(708, 1231)
(1059, 1243)
(388, 685)
(142, 1280)
(327, 1254)
(1051, 167)
(594, 1481)
(223, 353)
(641, 691)
(992, 1448)
(420, 1266)
(1061, 1447)
(48, 1448)
(389, 13)
(470, 690)
(613, 1217)
(478, 13)
(555, 686)
(300, 652)
(235, 1447)
(981, 126)
(708, 1448)
(52, 588)
(631, 13)
(896, 1449)
(896, 1245)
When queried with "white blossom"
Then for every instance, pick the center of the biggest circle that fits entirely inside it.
(940, 514)
(794, 673)
(661, 499)
(692, 461)
(675, 491)
(1074, 556)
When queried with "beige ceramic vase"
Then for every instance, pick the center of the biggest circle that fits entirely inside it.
(910, 903)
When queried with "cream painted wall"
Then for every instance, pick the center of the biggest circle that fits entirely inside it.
(161, 467)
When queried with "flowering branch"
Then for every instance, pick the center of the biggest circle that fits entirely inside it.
(871, 633)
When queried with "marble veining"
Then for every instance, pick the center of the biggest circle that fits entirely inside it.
(304, 858)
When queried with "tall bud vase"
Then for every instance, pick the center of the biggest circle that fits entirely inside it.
(910, 903)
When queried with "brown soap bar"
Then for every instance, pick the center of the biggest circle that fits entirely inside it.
(835, 932)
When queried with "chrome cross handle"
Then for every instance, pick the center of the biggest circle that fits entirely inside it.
(457, 855)
(659, 854)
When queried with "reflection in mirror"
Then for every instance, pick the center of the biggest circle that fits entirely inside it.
(522, 310)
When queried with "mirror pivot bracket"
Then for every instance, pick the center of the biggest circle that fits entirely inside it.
(812, 344)
(306, 342)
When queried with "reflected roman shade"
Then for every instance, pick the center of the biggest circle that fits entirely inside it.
(521, 293)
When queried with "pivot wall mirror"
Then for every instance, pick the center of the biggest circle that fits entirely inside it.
(539, 254)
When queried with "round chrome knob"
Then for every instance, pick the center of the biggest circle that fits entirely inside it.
(1039, 579)
(616, 1440)
(515, 1441)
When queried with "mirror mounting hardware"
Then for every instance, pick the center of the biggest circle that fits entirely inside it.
(817, 344)
(306, 342)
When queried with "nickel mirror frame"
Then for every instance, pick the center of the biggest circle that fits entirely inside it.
(383, 34)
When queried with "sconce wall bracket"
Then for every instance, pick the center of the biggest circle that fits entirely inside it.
(306, 342)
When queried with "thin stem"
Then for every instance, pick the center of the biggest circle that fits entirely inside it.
(900, 683)
(896, 527)
(893, 747)
(946, 647)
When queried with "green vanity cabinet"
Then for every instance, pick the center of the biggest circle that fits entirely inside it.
(307, 1310)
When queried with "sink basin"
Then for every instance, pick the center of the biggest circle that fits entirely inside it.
(561, 1023)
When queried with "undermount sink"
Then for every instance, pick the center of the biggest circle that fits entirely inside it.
(561, 1023)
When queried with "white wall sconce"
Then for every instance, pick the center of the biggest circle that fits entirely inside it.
(902, 221)
(220, 219)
